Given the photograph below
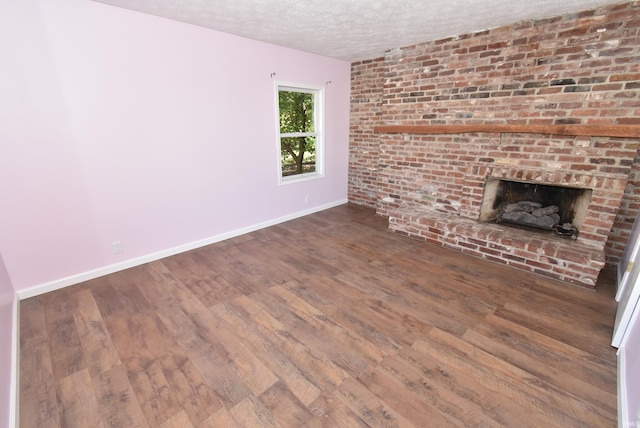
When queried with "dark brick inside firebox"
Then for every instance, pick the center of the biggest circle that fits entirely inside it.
(572, 202)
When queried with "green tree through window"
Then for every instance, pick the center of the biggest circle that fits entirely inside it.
(299, 134)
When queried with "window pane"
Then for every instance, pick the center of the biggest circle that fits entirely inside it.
(300, 116)
(298, 155)
(296, 111)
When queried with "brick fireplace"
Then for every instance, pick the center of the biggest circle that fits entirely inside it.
(579, 69)
(432, 188)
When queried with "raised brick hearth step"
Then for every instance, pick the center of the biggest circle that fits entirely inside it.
(541, 252)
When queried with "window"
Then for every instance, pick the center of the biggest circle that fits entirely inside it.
(300, 132)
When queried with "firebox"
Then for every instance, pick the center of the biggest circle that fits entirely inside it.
(535, 205)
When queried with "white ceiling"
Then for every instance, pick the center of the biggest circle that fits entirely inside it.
(353, 29)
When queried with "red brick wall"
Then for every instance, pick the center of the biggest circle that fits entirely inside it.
(626, 215)
(367, 85)
(582, 68)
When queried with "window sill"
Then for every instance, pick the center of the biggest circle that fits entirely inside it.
(291, 179)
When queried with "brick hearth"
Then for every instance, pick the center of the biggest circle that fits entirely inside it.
(542, 253)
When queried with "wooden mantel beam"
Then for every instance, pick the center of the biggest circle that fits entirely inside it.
(621, 131)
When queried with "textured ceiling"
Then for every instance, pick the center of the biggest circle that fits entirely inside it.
(353, 29)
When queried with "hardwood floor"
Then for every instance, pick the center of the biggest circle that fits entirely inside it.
(328, 320)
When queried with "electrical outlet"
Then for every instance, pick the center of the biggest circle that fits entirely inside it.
(116, 247)
(306, 199)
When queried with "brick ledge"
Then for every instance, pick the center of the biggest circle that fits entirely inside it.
(560, 258)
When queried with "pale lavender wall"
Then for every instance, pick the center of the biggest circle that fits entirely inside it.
(35, 153)
(127, 127)
(46, 226)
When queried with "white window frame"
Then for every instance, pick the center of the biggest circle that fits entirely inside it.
(318, 112)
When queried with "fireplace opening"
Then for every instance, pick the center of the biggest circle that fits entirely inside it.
(534, 205)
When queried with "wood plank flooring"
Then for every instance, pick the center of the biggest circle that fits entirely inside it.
(324, 321)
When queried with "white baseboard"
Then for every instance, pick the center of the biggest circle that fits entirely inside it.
(14, 399)
(106, 270)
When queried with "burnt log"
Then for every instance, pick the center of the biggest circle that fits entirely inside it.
(526, 206)
(522, 217)
(540, 212)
